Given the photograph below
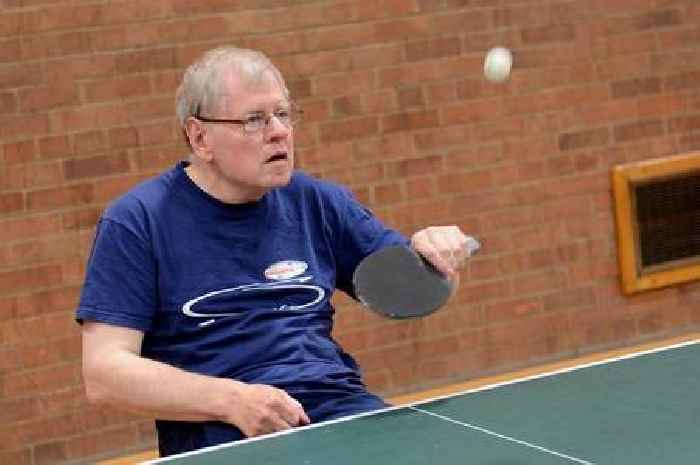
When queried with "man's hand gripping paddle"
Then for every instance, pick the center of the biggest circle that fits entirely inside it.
(397, 282)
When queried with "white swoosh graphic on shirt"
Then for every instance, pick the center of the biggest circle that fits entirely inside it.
(287, 284)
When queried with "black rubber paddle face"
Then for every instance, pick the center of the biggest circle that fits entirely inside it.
(397, 283)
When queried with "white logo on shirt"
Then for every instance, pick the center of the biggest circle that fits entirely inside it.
(285, 269)
(293, 285)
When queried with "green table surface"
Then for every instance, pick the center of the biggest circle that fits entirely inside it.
(641, 409)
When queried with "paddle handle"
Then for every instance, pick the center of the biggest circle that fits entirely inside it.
(472, 246)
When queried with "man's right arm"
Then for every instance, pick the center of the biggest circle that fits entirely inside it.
(116, 374)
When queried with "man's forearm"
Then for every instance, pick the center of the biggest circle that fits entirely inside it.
(153, 388)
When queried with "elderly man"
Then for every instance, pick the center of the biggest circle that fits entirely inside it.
(206, 302)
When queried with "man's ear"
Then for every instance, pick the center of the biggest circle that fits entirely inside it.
(196, 136)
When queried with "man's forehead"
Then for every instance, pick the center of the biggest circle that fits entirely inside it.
(242, 90)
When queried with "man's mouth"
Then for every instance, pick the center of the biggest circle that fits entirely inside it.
(277, 156)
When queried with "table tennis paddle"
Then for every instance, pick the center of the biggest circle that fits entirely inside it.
(398, 283)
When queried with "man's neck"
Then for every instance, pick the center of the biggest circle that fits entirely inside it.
(213, 184)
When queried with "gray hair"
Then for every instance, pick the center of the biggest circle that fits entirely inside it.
(200, 89)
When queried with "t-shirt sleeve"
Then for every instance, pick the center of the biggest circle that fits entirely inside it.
(120, 281)
(361, 233)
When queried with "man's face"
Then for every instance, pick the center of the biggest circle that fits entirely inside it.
(246, 165)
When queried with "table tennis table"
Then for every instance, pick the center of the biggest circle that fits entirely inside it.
(641, 408)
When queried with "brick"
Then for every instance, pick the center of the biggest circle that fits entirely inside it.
(549, 33)
(56, 18)
(55, 147)
(411, 97)
(74, 67)
(117, 88)
(611, 111)
(152, 159)
(15, 456)
(626, 65)
(344, 84)
(532, 283)
(424, 187)
(92, 117)
(476, 111)
(632, 44)
(515, 16)
(683, 81)
(689, 142)
(584, 139)
(444, 92)
(409, 74)
(158, 133)
(415, 166)
(89, 141)
(14, 410)
(635, 87)
(298, 88)
(81, 219)
(44, 380)
(44, 302)
(30, 278)
(10, 23)
(466, 182)
(484, 292)
(11, 50)
(456, 22)
(50, 453)
(50, 248)
(48, 97)
(8, 102)
(123, 137)
(99, 442)
(684, 124)
(147, 110)
(56, 45)
(13, 127)
(678, 38)
(62, 350)
(19, 152)
(286, 43)
(390, 147)
(663, 105)
(349, 129)
(12, 202)
(638, 130)
(380, 102)
(112, 187)
(569, 299)
(60, 197)
(19, 228)
(146, 60)
(410, 121)
(133, 10)
(402, 29)
(376, 56)
(342, 107)
(508, 218)
(512, 309)
(527, 104)
(657, 19)
(388, 194)
(433, 49)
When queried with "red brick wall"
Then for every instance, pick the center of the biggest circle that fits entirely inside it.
(396, 108)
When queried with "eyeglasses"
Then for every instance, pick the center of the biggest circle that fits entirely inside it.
(259, 121)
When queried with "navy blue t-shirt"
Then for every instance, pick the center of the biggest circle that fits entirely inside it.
(239, 291)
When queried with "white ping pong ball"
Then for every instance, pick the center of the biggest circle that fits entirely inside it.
(498, 63)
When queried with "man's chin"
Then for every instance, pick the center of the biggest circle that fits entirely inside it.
(279, 178)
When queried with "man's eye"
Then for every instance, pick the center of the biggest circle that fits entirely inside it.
(255, 119)
(282, 113)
